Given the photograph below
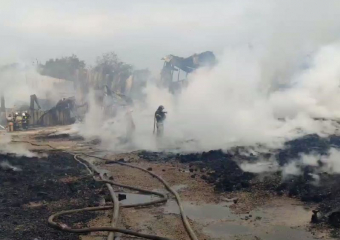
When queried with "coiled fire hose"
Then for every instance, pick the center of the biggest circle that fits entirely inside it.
(163, 198)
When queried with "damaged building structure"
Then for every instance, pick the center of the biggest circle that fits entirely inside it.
(186, 65)
(112, 88)
(41, 95)
(46, 104)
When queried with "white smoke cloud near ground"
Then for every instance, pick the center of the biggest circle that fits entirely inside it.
(19, 81)
(260, 167)
(229, 105)
(325, 163)
(6, 146)
(5, 165)
(328, 163)
(280, 71)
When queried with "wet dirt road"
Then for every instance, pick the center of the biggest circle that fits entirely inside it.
(213, 215)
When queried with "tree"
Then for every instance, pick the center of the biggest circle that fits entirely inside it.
(113, 71)
(63, 68)
(109, 63)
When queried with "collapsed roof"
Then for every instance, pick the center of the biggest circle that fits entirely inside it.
(193, 62)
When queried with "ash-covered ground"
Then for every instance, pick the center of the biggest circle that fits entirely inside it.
(34, 188)
(287, 174)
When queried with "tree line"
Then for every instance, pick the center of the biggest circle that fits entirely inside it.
(67, 67)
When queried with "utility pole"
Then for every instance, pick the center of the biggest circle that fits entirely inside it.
(2, 105)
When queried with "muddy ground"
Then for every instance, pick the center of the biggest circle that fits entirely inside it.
(221, 200)
(37, 187)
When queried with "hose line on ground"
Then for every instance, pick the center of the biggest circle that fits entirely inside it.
(115, 206)
(167, 186)
(115, 213)
(163, 198)
(114, 198)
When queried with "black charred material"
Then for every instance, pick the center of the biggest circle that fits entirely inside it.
(334, 219)
(308, 144)
(326, 190)
(315, 218)
(224, 171)
(156, 156)
(44, 182)
(121, 196)
(59, 137)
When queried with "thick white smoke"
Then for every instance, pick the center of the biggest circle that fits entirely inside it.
(6, 146)
(229, 105)
(281, 72)
(328, 163)
(19, 81)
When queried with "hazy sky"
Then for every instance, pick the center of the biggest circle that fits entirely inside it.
(143, 31)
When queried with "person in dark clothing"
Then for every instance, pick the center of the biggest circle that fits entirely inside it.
(25, 119)
(159, 120)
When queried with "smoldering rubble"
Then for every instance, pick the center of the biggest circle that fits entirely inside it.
(6, 146)
(259, 118)
(43, 186)
(303, 168)
(5, 165)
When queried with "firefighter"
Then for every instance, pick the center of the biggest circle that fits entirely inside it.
(16, 120)
(10, 123)
(27, 114)
(25, 119)
(159, 120)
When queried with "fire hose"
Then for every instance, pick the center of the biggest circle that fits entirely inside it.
(115, 206)
(167, 186)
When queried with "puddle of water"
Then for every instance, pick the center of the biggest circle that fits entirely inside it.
(101, 153)
(203, 213)
(233, 230)
(179, 187)
(227, 230)
(287, 215)
(279, 220)
(135, 198)
(284, 233)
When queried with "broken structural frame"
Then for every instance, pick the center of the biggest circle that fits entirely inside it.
(58, 115)
(174, 63)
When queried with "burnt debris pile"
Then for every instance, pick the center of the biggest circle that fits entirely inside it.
(156, 156)
(311, 184)
(41, 187)
(59, 137)
(308, 144)
(224, 171)
(217, 167)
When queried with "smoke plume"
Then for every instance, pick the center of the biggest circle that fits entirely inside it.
(230, 105)
(19, 81)
(278, 71)
(14, 148)
(5, 165)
